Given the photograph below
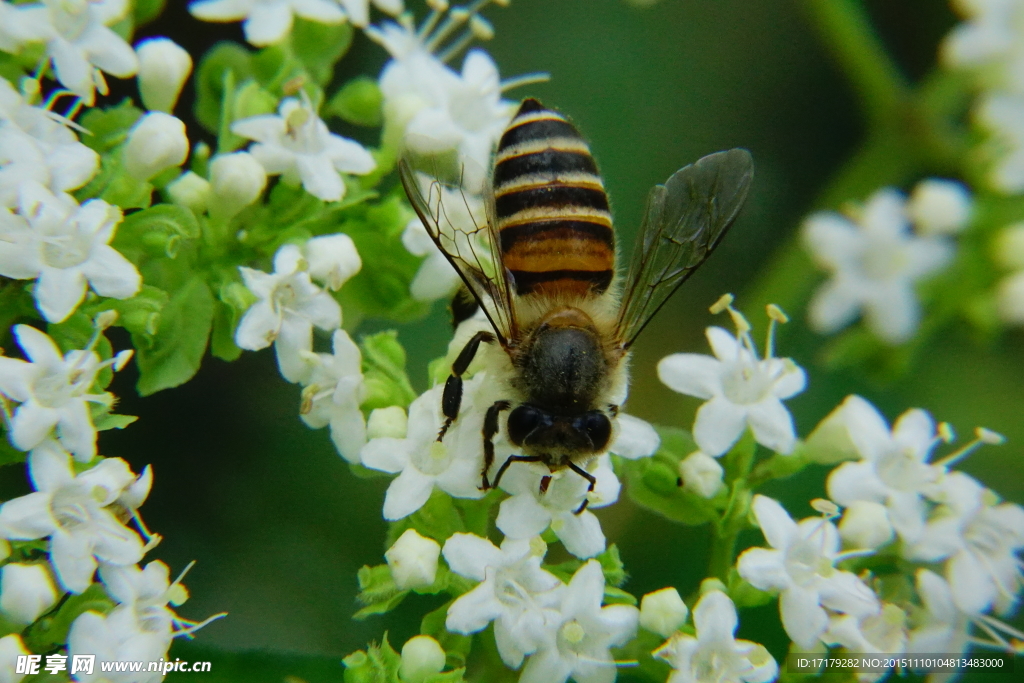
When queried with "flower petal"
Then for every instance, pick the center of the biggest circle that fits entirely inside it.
(778, 527)
(692, 374)
(802, 616)
(718, 425)
(407, 494)
(521, 516)
(772, 425)
(111, 274)
(636, 438)
(470, 555)
(58, 292)
(580, 534)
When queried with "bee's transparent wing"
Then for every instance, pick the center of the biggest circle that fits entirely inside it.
(471, 248)
(684, 220)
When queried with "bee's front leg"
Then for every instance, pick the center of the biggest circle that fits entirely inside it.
(591, 480)
(490, 431)
(451, 399)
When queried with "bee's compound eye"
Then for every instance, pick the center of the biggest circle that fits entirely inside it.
(597, 427)
(523, 421)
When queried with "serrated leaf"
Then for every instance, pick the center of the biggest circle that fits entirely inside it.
(178, 346)
(611, 564)
(377, 664)
(319, 46)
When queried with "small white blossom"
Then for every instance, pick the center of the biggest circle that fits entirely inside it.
(830, 442)
(422, 462)
(874, 262)
(11, 648)
(714, 655)
(192, 190)
(333, 393)
(155, 143)
(990, 36)
(999, 113)
(115, 638)
(514, 592)
(164, 67)
(633, 438)
(941, 627)
(358, 11)
(391, 421)
(865, 524)
(800, 566)
(584, 633)
(18, 27)
(333, 259)
(883, 633)
(740, 388)
(701, 474)
(66, 248)
(26, 591)
(422, 657)
(939, 207)
(289, 306)
(237, 180)
(81, 45)
(663, 611)
(267, 21)
(297, 145)
(75, 512)
(893, 469)
(53, 392)
(529, 511)
(413, 560)
(1010, 299)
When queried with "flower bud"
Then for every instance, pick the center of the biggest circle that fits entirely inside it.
(26, 591)
(1008, 247)
(164, 67)
(190, 190)
(156, 142)
(413, 560)
(939, 207)
(865, 525)
(11, 648)
(333, 259)
(663, 612)
(1010, 299)
(422, 656)
(701, 474)
(387, 422)
(830, 441)
(237, 180)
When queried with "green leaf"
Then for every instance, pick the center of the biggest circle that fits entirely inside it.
(147, 10)
(51, 630)
(108, 127)
(438, 519)
(377, 664)
(140, 315)
(209, 80)
(180, 341)
(611, 564)
(113, 421)
(385, 377)
(617, 596)
(359, 102)
(320, 46)
(158, 231)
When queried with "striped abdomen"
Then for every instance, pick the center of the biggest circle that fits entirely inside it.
(551, 209)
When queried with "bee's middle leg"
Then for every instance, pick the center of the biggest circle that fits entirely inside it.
(490, 431)
(451, 399)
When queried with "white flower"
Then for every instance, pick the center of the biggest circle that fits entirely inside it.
(11, 648)
(391, 421)
(422, 657)
(26, 591)
(289, 306)
(18, 26)
(883, 633)
(164, 66)
(297, 144)
(991, 36)
(53, 391)
(81, 46)
(1010, 299)
(66, 247)
(193, 190)
(237, 180)
(942, 627)
(436, 278)
(413, 560)
(514, 592)
(333, 394)
(422, 462)
(145, 597)
(663, 611)
(701, 474)
(800, 566)
(358, 11)
(980, 538)
(1000, 114)
(115, 638)
(36, 144)
(529, 511)
(830, 442)
(893, 469)
(584, 633)
(939, 207)
(714, 655)
(741, 390)
(874, 262)
(155, 143)
(75, 512)
(267, 21)
(333, 259)
(865, 525)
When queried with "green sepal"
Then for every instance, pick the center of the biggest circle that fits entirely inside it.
(652, 482)
(617, 596)
(140, 315)
(51, 630)
(611, 565)
(108, 420)
(376, 664)
(639, 649)
(377, 591)
(454, 676)
(178, 346)
(437, 519)
(384, 374)
(209, 80)
(779, 466)
(456, 646)
(159, 231)
(358, 102)
(744, 594)
(146, 11)
(108, 127)
(320, 46)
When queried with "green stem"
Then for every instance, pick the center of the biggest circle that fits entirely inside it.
(738, 463)
(848, 33)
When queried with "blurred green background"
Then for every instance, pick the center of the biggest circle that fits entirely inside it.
(273, 516)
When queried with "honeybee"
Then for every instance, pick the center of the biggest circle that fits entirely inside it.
(548, 285)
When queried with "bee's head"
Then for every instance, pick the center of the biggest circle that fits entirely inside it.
(536, 430)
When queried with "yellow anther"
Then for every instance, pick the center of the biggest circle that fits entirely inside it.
(106, 319)
(293, 85)
(438, 5)
(988, 436)
(946, 432)
(723, 303)
(538, 548)
(297, 118)
(481, 28)
(825, 507)
(777, 314)
(574, 632)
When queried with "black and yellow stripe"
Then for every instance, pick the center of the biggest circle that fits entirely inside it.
(554, 226)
